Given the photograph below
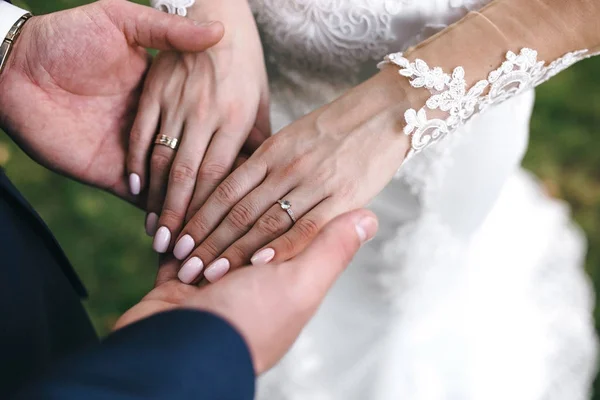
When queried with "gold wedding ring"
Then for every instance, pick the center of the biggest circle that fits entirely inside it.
(168, 141)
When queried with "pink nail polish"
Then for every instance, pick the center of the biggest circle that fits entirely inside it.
(217, 270)
(184, 247)
(190, 270)
(135, 184)
(263, 257)
(151, 222)
(162, 239)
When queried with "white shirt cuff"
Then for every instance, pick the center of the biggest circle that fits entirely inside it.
(9, 14)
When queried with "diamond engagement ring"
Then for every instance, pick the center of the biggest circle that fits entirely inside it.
(287, 207)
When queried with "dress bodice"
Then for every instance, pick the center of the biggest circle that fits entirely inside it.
(345, 36)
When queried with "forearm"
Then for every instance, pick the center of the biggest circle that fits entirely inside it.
(441, 101)
(480, 41)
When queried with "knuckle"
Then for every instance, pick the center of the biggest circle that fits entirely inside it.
(159, 161)
(270, 225)
(286, 245)
(209, 248)
(294, 166)
(236, 255)
(324, 176)
(306, 229)
(236, 107)
(136, 137)
(241, 217)
(268, 146)
(213, 172)
(182, 174)
(153, 89)
(348, 189)
(198, 226)
(227, 191)
(170, 216)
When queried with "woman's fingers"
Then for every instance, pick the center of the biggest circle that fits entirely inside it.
(182, 178)
(218, 162)
(238, 221)
(295, 240)
(160, 166)
(140, 142)
(235, 187)
(250, 211)
(243, 232)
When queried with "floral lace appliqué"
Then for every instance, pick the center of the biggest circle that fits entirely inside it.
(519, 72)
(178, 7)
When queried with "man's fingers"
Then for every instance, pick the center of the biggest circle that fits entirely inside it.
(332, 250)
(147, 27)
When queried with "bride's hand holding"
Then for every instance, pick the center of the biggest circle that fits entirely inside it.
(331, 161)
(213, 103)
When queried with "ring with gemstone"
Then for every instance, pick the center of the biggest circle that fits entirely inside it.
(287, 207)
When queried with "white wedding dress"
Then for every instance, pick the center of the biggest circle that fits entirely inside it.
(474, 287)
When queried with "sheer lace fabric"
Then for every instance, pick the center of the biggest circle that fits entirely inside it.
(434, 307)
(178, 7)
(450, 94)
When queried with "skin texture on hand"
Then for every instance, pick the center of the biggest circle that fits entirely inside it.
(331, 161)
(268, 305)
(71, 89)
(214, 102)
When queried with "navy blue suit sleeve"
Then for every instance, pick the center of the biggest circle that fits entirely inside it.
(175, 355)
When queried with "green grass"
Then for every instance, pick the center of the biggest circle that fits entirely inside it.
(104, 237)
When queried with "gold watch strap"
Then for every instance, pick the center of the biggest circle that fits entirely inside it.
(7, 44)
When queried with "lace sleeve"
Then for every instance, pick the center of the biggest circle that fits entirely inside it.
(473, 69)
(178, 7)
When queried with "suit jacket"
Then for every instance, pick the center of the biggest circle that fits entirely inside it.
(48, 348)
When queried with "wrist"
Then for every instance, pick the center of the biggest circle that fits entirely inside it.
(235, 15)
(381, 103)
(13, 66)
(241, 43)
(8, 39)
(207, 9)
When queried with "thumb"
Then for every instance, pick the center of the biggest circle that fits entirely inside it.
(150, 28)
(331, 251)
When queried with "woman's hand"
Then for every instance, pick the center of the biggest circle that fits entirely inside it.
(334, 160)
(213, 102)
(71, 88)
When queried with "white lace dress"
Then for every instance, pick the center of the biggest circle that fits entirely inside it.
(473, 288)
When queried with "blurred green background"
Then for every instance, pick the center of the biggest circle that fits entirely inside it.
(105, 239)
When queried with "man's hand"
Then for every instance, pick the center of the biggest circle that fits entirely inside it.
(70, 91)
(269, 304)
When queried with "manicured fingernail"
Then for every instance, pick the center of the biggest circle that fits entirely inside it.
(190, 270)
(263, 257)
(366, 229)
(217, 270)
(135, 184)
(151, 222)
(162, 239)
(184, 247)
